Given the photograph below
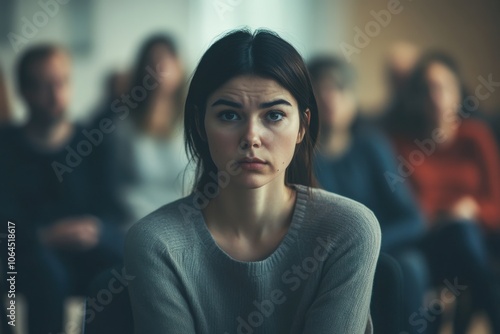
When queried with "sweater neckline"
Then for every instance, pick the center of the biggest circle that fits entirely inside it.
(260, 267)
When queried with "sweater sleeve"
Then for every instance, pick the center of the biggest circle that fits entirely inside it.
(159, 305)
(342, 302)
(489, 197)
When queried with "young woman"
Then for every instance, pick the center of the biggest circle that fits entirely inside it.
(150, 143)
(255, 248)
(452, 163)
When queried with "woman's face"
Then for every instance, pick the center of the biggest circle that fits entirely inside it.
(168, 68)
(250, 116)
(444, 93)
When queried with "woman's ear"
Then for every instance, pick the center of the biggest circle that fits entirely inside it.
(302, 130)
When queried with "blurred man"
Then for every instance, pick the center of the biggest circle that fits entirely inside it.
(55, 188)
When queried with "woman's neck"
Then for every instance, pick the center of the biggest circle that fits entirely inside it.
(448, 133)
(161, 113)
(251, 213)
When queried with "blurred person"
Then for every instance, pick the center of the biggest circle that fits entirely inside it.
(232, 251)
(352, 161)
(452, 163)
(494, 121)
(54, 190)
(152, 156)
(4, 101)
(116, 83)
(399, 64)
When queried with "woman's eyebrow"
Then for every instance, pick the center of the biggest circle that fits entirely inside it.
(263, 105)
(227, 103)
(274, 103)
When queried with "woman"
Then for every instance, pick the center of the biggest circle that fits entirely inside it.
(353, 161)
(452, 163)
(255, 247)
(150, 146)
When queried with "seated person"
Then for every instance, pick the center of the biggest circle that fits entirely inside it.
(353, 160)
(451, 161)
(255, 247)
(57, 190)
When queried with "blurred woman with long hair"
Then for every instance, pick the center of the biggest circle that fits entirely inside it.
(153, 157)
(452, 162)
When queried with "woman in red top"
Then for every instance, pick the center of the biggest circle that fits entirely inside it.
(453, 165)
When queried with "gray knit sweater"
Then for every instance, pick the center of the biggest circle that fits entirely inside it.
(318, 280)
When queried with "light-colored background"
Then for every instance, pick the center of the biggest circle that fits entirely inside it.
(105, 35)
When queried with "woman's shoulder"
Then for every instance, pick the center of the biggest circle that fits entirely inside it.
(476, 130)
(334, 214)
(169, 225)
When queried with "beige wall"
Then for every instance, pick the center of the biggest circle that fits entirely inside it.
(468, 29)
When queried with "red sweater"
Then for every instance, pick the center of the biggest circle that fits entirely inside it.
(469, 166)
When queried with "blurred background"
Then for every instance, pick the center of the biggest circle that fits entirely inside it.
(104, 35)
(379, 41)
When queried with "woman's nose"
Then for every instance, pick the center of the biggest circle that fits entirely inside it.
(251, 136)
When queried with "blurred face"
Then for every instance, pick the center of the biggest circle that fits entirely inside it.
(444, 93)
(250, 116)
(168, 66)
(337, 107)
(49, 94)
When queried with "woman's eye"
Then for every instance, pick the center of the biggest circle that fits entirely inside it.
(275, 116)
(228, 116)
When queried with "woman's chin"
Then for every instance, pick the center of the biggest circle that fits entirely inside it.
(250, 181)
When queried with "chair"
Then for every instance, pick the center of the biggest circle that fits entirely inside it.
(386, 305)
(107, 309)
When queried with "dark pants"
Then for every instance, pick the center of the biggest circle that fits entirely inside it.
(47, 277)
(458, 254)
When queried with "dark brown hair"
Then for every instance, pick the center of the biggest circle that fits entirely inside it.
(33, 55)
(412, 119)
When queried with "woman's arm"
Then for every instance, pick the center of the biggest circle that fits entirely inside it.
(342, 303)
(157, 296)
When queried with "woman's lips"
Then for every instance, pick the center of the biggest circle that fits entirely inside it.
(252, 165)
